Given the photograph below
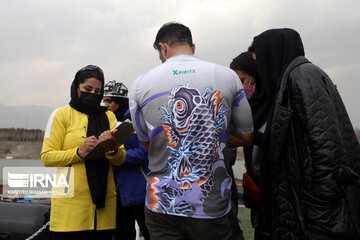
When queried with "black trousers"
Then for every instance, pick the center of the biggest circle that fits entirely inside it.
(83, 235)
(125, 222)
(169, 227)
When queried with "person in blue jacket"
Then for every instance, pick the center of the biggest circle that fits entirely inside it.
(129, 177)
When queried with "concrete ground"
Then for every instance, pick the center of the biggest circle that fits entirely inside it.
(245, 222)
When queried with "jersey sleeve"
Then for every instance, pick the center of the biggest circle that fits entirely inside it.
(138, 120)
(52, 154)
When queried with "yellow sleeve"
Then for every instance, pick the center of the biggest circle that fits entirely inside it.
(120, 156)
(52, 154)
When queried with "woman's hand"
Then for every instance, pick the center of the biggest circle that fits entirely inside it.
(107, 140)
(89, 144)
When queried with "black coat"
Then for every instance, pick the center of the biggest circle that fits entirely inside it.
(316, 185)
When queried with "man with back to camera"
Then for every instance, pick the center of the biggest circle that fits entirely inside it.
(182, 111)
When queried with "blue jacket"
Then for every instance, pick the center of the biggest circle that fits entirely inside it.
(130, 179)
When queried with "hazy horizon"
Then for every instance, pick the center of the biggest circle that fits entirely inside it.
(41, 117)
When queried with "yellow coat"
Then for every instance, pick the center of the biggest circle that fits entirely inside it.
(63, 135)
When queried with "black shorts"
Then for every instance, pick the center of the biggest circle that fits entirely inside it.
(169, 227)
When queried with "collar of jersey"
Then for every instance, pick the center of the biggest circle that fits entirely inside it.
(180, 57)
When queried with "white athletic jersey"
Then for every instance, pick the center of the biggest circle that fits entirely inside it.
(185, 108)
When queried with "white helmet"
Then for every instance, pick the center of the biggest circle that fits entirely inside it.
(115, 89)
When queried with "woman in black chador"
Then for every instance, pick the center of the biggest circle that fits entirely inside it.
(311, 158)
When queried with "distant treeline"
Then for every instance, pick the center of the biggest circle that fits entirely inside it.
(21, 135)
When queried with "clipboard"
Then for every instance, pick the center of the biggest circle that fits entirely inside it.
(124, 133)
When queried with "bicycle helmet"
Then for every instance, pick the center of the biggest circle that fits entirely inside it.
(115, 89)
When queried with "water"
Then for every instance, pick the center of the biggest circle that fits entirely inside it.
(18, 163)
(238, 168)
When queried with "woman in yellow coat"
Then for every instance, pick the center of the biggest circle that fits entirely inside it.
(71, 132)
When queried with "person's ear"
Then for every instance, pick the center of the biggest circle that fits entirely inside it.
(163, 48)
(193, 48)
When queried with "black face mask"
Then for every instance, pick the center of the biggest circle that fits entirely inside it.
(89, 100)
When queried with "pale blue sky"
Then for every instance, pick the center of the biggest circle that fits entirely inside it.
(43, 43)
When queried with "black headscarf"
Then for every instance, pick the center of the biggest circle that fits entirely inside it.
(96, 171)
(122, 109)
(274, 49)
(245, 62)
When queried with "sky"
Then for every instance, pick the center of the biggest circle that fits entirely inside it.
(43, 43)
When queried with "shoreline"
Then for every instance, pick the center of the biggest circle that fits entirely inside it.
(20, 150)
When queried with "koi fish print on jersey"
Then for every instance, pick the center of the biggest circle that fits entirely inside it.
(192, 122)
